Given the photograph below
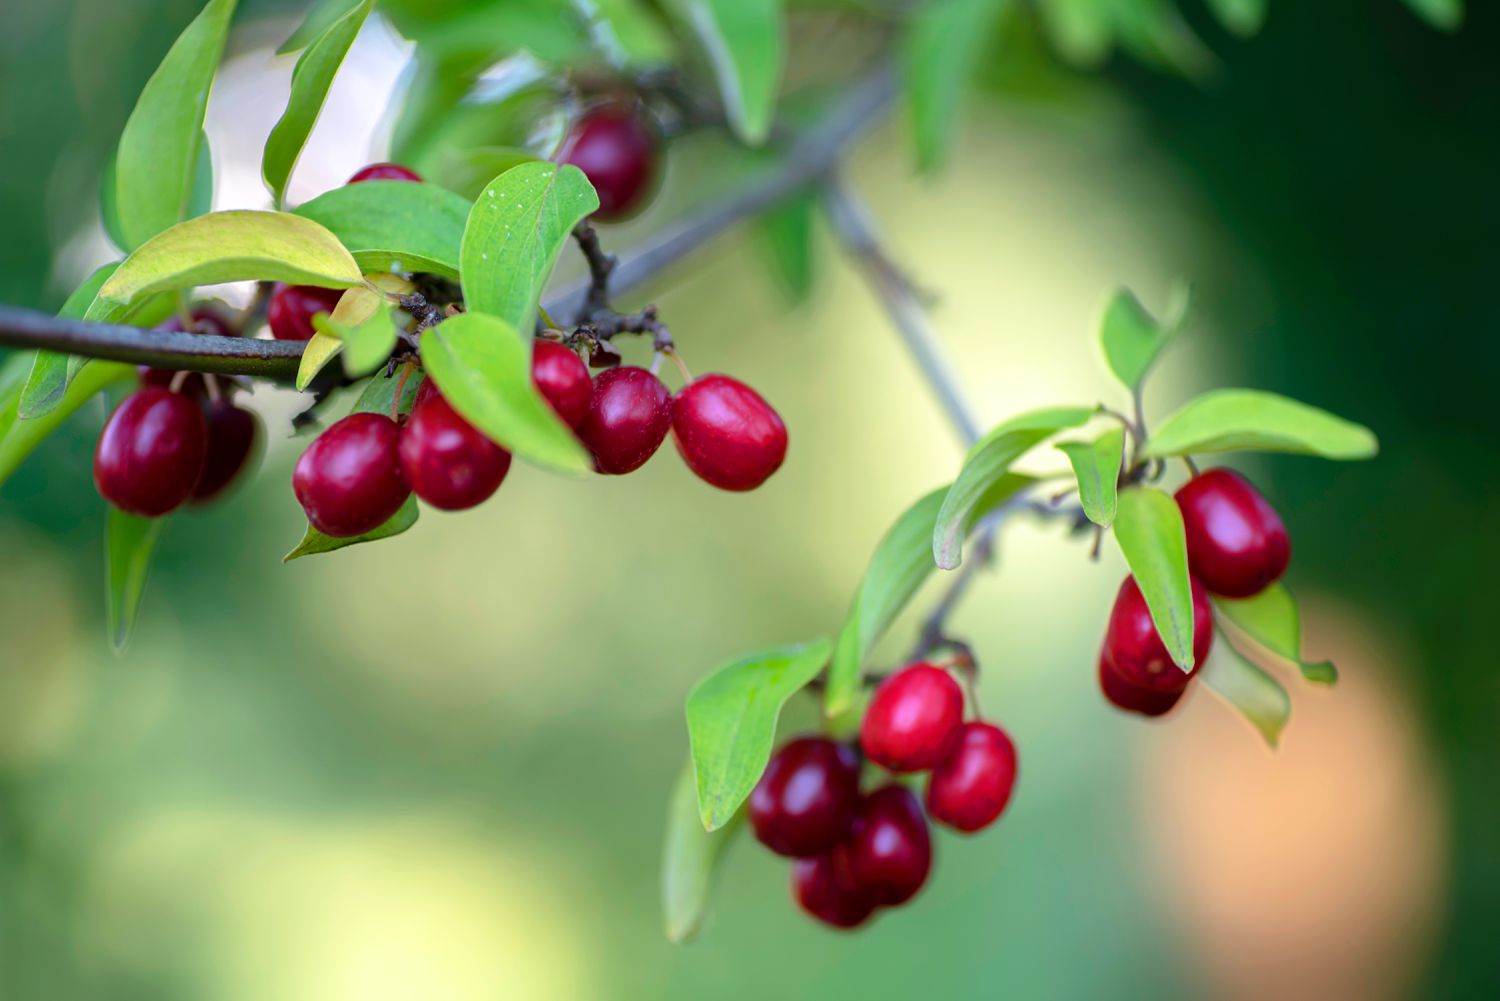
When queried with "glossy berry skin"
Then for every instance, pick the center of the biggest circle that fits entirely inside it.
(629, 414)
(349, 481)
(970, 788)
(1237, 544)
(726, 433)
(827, 890)
(890, 851)
(1134, 699)
(151, 453)
(1133, 648)
(233, 436)
(616, 150)
(384, 172)
(205, 321)
(293, 307)
(805, 801)
(563, 380)
(913, 719)
(448, 462)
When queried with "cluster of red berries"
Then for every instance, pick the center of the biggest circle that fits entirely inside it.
(858, 852)
(1237, 546)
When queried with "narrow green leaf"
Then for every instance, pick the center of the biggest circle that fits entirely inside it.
(690, 860)
(311, 78)
(49, 373)
(731, 718)
(315, 542)
(1235, 420)
(397, 226)
(320, 15)
(367, 345)
(1271, 619)
(321, 349)
(940, 54)
(1241, 17)
(1258, 696)
(233, 246)
(379, 394)
(988, 462)
(745, 44)
(1445, 15)
(355, 307)
(157, 163)
(1149, 529)
(1132, 339)
(128, 543)
(1096, 464)
(483, 368)
(787, 234)
(17, 437)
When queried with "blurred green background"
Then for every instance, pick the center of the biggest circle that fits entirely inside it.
(437, 767)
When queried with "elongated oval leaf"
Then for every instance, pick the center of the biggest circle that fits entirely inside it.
(987, 463)
(690, 860)
(128, 544)
(745, 44)
(400, 226)
(1271, 619)
(233, 246)
(355, 307)
(514, 233)
(483, 368)
(157, 162)
(1096, 464)
(311, 78)
(940, 54)
(1149, 530)
(731, 718)
(49, 373)
(315, 542)
(17, 437)
(1257, 696)
(1131, 338)
(1235, 420)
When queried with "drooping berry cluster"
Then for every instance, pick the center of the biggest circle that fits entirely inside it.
(859, 851)
(1237, 547)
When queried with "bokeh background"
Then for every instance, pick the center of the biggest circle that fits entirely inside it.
(437, 767)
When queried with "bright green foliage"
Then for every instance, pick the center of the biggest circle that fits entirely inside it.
(398, 226)
(1096, 464)
(940, 55)
(745, 43)
(690, 861)
(19, 437)
(1250, 420)
(1149, 530)
(315, 542)
(320, 15)
(1132, 339)
(1271, 619)
(630, 33)
(128, 544)
(49, 374)
(731, 718)
(367, 345)
(787, 234)
(1258, 696)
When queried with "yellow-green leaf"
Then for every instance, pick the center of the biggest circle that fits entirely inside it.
(690, 861)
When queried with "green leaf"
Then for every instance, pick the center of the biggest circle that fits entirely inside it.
(1234, 420)
(398, 226)
(128, 543)
(629, 32)
(786, 231)
(1271, 619)
(354, 308)
(311, 78)
(690, 861)
(319, 17)
(1132, 338)
(731, 718)
(745, 45)
(514, 233)
(985, 465)
(379, 394)
(940, 53)
(1096, 464)
(1445, 15)
(483, 368)
(17, 437)
(157, 163)
(233, 246)
(315, 542)
(1149, 529)
(367, 345)
(467, 171)
(49, 373)
(1258, 696)
(1241, 17)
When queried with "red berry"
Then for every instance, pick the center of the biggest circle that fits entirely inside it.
(151, 452)
(349, 480)
(890, 851)
(913, 719)
(616, 150)
(205, 321)
(293, 307)
(969, 790)
(563, 380)
(726, 433)
(827, 890)
(1237, 544)
(629, 414)
(449, 463)
(233, 434)
(1132, 698)
(805, 801)
(1134, 650)
(384, 172)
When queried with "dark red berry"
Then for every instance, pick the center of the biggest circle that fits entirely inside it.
(349, 480)
(1134, 650)
(151, 452)
(563, 380)
(1236, 542)
(913, 719)
(384, 172)
(805, 801)
(890, 851)
(726, 433)
(970, 788)
(205, 321)
(1132, 698)
(629, 414)
(616, 150)
(293, 307)
(449, 463)
(233, 435)
(827, 890)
